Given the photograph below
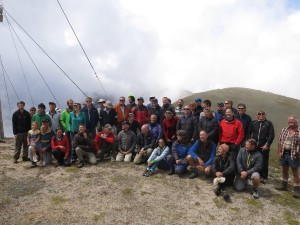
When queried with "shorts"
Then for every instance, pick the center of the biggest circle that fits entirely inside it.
(287, 160)
(240, 184)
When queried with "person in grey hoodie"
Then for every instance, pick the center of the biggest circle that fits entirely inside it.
(249, 164)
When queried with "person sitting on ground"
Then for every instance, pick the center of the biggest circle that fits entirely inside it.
(84, 147)
(158, 159)
(144, 145)
(105, 143)
(60, 147)
(155, 128)
(126, 143)
(33, 139)
(223, 168)
(180, 148)
(201, 155)
(249, 163)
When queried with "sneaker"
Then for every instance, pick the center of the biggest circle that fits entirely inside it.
(112, 159)
(80, 164)
(193, 175)
(217, 190)
(34, 158)
(283, 186)
(145, 172)
(255, 194)
(150, 173)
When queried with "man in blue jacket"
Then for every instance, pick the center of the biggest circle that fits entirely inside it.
(91, 115)
(201, 155)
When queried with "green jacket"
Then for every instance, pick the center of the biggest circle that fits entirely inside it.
(39, 119)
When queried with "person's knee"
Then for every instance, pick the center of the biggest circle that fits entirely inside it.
(207, 171)
(189, 158)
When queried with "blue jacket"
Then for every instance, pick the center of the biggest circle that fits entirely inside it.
(159, 154)
(206, 151)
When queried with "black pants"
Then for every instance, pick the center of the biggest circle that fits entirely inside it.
(59, 156)
(265, 163)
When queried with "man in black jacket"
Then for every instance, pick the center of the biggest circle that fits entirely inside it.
(262, 130)
(21, 122)
(223, 169)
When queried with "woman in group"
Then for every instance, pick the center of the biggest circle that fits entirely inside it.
(60, 147)
(180, 150)
(76, 118)
(158, 158)
(169, 128)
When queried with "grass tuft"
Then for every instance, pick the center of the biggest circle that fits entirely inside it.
(72, 170)
(57, 200)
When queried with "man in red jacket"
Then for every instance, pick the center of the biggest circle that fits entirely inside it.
(104, 142)
(231, 132)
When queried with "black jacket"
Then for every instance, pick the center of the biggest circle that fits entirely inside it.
(262, 132)
(21, 122)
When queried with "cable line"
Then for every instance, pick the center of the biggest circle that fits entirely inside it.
(21, 64)
(33, 62)
(82, 48)
(45, 52)
(3, 70)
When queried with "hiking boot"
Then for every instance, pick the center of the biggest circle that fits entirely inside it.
(145, 172)
(193, 175)
(263, 180)
(255, 194)
(171, 172)
(25, 158)
(15, 161)
(150, 173)
(296, 192)
(80, 164)
(283, 186)
(227, 198)
(217, 190)
(33, 164)
(112, 159)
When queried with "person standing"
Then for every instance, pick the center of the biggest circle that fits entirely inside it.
(41, 115)
(245, 119)
(122, 111)
(54, 115)
(179, 108)
(231, 132)
(91, 115)
(262, 130)
(289, 154)
(21, 123)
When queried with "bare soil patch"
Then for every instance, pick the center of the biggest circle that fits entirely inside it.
(117, 193)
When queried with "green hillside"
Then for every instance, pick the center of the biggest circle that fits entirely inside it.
(277, 107)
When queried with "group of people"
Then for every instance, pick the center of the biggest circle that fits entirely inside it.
(225, 144)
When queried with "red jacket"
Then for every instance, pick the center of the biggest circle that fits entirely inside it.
(141, 114)
(169, 127)
(231, 132)
(98, 140)
(64, 142)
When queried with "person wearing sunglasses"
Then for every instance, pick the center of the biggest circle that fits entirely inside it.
(262, 130)
(245, 119)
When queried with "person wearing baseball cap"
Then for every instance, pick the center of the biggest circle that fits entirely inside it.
(41, 115)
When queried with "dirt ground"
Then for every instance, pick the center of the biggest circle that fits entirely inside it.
(117, 193)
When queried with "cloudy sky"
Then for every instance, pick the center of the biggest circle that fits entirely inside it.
(148, 48)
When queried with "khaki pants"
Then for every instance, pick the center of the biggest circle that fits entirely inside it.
(140, 158)
(123, 157)
(20, 140)
(84, 155)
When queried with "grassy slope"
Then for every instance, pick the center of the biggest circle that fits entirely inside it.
(277, 107)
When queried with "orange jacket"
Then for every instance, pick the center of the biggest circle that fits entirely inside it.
(121, 117)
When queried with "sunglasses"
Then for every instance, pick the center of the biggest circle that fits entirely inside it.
(260, 114)
(241, 108)
(121, 100)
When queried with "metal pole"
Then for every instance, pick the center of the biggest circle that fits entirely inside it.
(1, 123)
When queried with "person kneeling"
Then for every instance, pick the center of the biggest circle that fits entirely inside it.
(60, 147)
(201, 155)
(249, 163)
(158, 158)
(223, 169)
(84, 147)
